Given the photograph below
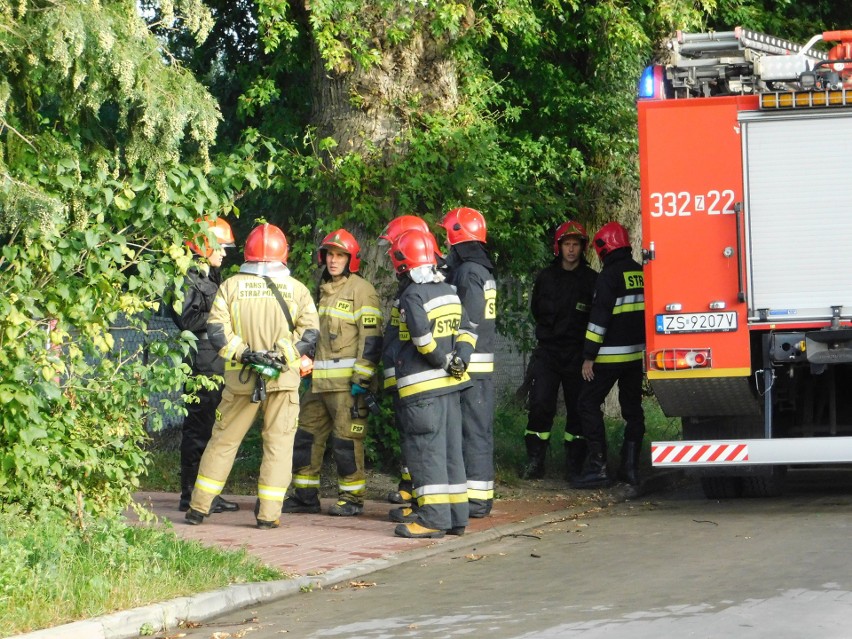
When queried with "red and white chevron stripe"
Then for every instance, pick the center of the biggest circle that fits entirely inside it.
(704, 453)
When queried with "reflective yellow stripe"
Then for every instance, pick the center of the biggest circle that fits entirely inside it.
(542, 436)
(614, 359)
(427, 348)
(208, 485)
(432, 384)
(331, 373)
(306, 481)
(629, 308)
(481, 367)
(271, 492)
(700, 372)
(473, 493)
(466, 338)
(352, 486)
(594, 337)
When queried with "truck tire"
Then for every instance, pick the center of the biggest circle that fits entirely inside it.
(722, 486)
(766, 485)
(727, 486)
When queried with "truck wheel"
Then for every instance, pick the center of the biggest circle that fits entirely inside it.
(722, 487)
(766, 485)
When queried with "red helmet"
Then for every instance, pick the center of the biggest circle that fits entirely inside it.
(464, 225)
(342, 240)
(412, 249)
(220, 229)
(401, 224)
(569, 229)
(266, 243)
(612, 236)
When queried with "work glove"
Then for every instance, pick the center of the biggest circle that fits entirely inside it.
(357, 389)
(306, 366)
(251, 357)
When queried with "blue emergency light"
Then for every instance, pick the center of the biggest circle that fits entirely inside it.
(651, 82)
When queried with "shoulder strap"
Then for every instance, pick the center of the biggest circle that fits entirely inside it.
(281, 301)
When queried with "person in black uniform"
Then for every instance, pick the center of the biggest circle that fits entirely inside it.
(200, 286)
(613, 352)
(560, 304)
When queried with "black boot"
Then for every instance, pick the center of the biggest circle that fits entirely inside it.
(594, 471)
(187, 482)
(536, 453)
(534, 468)
(222, 505)
(575, 455)
(628, 470)
(303, 500)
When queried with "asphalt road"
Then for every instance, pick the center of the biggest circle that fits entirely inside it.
(665, 565)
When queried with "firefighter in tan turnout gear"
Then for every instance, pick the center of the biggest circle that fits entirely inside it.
(263, 321)
(347, 354)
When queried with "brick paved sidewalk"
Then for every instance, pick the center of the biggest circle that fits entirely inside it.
(307, 545)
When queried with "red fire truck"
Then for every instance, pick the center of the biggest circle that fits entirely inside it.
(745, 147)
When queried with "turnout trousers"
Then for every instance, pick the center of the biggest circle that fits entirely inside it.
(432, 445)
(477, 410)
(551, 371)
(323, 416)
(235, 416)
(629, 378)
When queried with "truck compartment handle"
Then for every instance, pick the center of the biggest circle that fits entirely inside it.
(738, 219)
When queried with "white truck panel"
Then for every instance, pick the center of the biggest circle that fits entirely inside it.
(798, 215)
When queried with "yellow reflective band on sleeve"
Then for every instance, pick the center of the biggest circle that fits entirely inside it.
(366, 371)
(427, 348)
(369, 316)
(629, 308)
(467, 338)
(542, 436)
(594, 337)
(229, 352)
(480, 367)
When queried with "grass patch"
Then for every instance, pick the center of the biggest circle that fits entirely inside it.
(510, 421)
(51, 573)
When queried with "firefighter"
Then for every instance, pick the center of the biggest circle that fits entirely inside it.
(200, 285)
(347, 354)
(435, 343)
(394, 228)
(560, 305)
(613, 352)
(263, 322)
(470, 271)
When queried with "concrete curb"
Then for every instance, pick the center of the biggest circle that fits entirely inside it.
(167, 616)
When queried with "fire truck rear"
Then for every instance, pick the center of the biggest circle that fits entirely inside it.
(745, 151)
